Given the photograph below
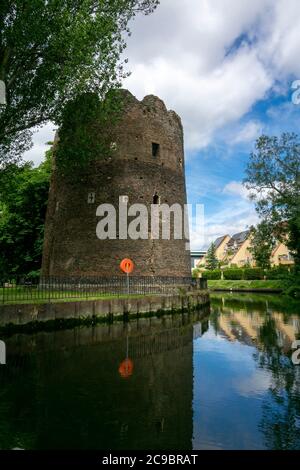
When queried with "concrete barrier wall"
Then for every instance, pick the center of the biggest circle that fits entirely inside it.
(20, 314)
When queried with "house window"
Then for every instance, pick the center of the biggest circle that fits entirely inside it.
(155, 149)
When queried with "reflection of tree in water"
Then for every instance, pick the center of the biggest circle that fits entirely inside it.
(17, 403)
(214, 318)
(280, 422)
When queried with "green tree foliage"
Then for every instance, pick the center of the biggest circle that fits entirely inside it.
(23, 200)
(86, 130)
(263, 243)
(273, 176)
(211, 261)
(196, 272)
(54, 50)
(253, 273)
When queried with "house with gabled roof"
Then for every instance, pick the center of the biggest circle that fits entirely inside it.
(235, 251)
(237, 240)
(238, 252)
(220, 246)
(281, 256)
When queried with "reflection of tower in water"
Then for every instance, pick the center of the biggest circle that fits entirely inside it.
(83, 402)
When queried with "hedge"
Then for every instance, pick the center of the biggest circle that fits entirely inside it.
(241, 274)
(253, 273)
(293, 291)
(212, 275)
(280, 272)
(233, 274)
(195, 272)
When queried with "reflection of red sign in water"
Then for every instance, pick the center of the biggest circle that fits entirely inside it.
(127, 265)
(126, 368)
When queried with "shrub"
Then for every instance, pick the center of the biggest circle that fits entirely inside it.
(280, 272)
(253, 273)
(233, 274)
(212, 275)
(293, 291)
(196, 272)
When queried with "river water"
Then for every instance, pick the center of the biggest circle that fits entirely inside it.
(218, 379)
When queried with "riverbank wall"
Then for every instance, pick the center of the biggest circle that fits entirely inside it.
(110, 308)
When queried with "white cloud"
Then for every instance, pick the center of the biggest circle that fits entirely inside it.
(206, 102)
(255, 384)
(213, 60)
(248, 133)
(236, 188)
(234, 216)
(279, 47)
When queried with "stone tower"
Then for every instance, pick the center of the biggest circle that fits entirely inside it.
(146, 166)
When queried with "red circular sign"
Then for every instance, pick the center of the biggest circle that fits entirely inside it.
(127, 265)
(126, 368)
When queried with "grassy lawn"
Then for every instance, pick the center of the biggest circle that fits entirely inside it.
(259, 284)
(17, 295)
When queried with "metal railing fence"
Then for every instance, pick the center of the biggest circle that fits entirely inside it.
(56, 288)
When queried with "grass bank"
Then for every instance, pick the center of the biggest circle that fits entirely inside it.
(251, 285)
(17, 297)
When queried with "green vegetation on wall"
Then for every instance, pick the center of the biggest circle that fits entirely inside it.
(85, 131)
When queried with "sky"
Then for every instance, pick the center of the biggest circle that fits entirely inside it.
(227, 68)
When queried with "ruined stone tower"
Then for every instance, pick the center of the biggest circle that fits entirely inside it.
(146, 166)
